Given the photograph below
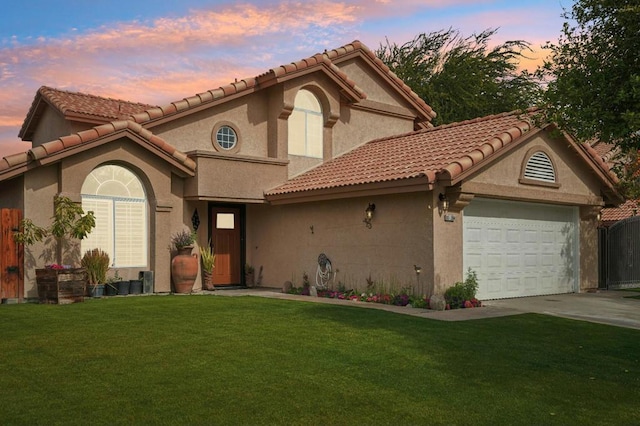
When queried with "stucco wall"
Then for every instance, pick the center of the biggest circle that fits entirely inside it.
(356, 127)
(51, 126)
(260, 119)
(281, 239)
(376, 88)
(168, 212)
(40, 187)
(234, 178)
(248, 115)
(446, 246)
(578, 185)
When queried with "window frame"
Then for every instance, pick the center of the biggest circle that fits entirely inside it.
(214, 137)
(307, 116)
(114, 205)
(539, 182)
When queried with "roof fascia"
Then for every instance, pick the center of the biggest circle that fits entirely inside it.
(37, 106)
(125, 133)
(420, 184)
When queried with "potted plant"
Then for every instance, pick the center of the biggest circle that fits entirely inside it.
(208, 260)
(59, 283)
(184, 265)
(112, 284)
(96, 262)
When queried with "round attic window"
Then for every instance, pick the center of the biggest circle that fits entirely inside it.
(225, 138)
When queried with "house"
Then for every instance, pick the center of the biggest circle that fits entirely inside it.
(280, 168)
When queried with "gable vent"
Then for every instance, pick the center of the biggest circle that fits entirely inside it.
(540, 167)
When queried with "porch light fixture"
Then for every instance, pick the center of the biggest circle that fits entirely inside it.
(418, 269)
(444, 202)
(195, 220)
(368, 214)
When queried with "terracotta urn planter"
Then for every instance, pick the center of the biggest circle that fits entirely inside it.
(184, 270)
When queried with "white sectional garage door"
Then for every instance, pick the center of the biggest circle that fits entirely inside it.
(521, 249)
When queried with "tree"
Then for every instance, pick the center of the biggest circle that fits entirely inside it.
(593, 73)
(462, 78)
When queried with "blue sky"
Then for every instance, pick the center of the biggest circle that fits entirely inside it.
(160, 51)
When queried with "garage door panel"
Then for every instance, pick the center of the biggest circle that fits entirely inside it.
(513, 260)
(494, 235)
(520, 249)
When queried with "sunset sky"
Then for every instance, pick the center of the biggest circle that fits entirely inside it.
(160, 51)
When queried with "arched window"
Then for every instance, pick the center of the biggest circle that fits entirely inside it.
(118, 200)
(305, 126)
(539, 167)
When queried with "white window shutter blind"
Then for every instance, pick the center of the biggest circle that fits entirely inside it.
(102, 235)
(131, 233)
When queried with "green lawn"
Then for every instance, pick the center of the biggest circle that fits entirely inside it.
(249, 360)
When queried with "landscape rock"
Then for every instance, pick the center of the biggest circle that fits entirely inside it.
(437, 302)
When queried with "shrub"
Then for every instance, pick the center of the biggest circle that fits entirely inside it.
(183, 239)
(461, 292)
(96, 262)
(208, 257)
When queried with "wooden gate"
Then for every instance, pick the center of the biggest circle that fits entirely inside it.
(11, 257)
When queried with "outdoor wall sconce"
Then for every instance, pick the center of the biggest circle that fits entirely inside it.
(195, 220)
(418, 269)
(444, 202)
(368, 214)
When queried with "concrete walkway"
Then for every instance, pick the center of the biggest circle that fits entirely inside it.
(605, 307)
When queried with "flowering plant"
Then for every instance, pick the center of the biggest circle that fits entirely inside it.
(57, 266)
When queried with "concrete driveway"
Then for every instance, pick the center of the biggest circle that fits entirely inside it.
(605, 307)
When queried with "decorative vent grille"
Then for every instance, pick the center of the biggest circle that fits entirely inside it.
(540, 167)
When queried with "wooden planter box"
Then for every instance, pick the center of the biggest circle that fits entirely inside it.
(61, 285)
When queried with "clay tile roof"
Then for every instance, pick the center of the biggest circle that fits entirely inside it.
(605, 150)
(449, 149)
(80, 106)
(448, 152)
(64, 143)
(13, 161)
(248, 85)
(613, 214)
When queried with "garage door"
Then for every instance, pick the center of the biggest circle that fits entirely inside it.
(521, 249)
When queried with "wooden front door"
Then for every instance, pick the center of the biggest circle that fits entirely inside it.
(11, 256)
(226, 238)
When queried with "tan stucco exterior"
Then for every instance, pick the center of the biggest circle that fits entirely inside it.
(287, 240)
(284, 236)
